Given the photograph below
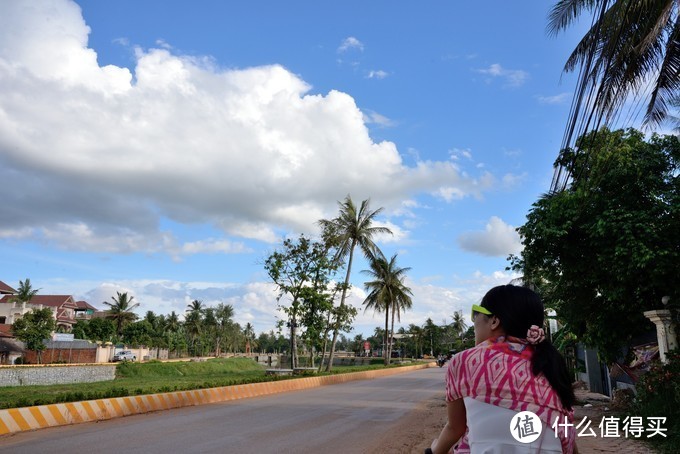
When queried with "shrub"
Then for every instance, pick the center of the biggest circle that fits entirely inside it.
(658, 395)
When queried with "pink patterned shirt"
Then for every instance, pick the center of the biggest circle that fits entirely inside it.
(498, 372)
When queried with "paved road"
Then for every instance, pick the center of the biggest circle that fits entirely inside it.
(345, 418)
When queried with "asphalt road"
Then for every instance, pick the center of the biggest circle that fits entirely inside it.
(345, 418)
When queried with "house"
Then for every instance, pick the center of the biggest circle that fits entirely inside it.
(63, 307)
(6, 289)
(84, 311)
(10, 350)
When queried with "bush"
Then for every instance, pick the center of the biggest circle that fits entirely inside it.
(658, 395)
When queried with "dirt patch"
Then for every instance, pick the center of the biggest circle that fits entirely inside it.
(415, 431)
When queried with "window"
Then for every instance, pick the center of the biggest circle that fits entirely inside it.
(3, 320)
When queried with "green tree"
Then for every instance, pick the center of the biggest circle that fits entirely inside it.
(222, 315)
(195, 326)
(33, 328)
(172, 323)
(249, 335)
(629, 44)
(302, 271)
(351, 228)
(100, 329)
(25, 292)
(607, 248)
(387, 292)
(120, 311)
(138, 333)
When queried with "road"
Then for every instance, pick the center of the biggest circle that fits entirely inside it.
(347, 418)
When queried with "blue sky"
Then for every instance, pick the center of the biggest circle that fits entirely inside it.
(164, 148)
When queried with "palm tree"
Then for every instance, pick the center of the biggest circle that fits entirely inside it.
(458, 325)
(630, 44)
(249, 335)
(350, 229)
(172, 323)
(25, 292)
(120, 311)
(387, 291)
(195, 306)
(193, 322)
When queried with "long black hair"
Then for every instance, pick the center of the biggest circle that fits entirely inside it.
(518, 308)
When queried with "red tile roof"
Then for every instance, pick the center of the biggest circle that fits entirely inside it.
(84, 305)
(6, 330)
(47, 300)
(4, 288)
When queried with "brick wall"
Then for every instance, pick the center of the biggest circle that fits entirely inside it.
(63, 355)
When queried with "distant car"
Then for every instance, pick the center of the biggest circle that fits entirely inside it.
(125, 355)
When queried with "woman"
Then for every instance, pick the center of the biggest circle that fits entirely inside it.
(512, 368)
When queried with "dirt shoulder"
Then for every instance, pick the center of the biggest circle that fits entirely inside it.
(415, 431)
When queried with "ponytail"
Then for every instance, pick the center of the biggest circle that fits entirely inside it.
(548, 361)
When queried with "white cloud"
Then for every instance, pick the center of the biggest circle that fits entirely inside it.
(95, 158)
(212, 246)
(512, 77)
(371, 117)
(399, 235)
(377, 74)
(256, 303)
(457, 153)
(498, 239)
(555, 99)
(350, 43)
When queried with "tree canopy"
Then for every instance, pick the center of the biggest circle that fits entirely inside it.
(630, 53)
(351, 228)
(608, 247)
(33, 328)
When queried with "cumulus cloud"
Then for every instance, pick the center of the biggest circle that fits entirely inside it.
(97, 157)
(350, 43)
(498, 239)
(255, 302)
(512, 77)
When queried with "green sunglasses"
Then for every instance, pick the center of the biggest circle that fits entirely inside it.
(477, 309)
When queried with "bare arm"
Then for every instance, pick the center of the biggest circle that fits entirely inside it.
(454, 428)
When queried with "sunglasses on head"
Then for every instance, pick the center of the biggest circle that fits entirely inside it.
(477, 309)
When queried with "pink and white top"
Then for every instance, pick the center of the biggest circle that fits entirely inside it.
(498, 372)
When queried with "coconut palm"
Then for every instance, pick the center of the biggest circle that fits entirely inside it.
(350, 229)
(120, 311)
(193, 323)
(632, 48)
(387, 292)
(458, 325)
(172, 323)
(25, 292)
(195, 306)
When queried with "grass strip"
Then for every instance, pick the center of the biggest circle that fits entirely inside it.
(155, 377)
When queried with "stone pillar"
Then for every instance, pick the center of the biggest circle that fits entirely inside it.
(665, 331)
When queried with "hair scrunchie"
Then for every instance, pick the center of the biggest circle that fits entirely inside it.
(535, 335)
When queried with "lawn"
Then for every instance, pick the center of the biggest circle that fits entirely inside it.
(149, 378)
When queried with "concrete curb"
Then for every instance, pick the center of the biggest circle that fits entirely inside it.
(39, 417)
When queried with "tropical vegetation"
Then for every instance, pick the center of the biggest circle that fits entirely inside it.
(607, 248)
(630, 54)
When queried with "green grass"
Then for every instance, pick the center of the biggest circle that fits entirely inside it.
(152, 377)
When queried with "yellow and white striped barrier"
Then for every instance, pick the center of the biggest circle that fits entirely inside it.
(30, 418)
